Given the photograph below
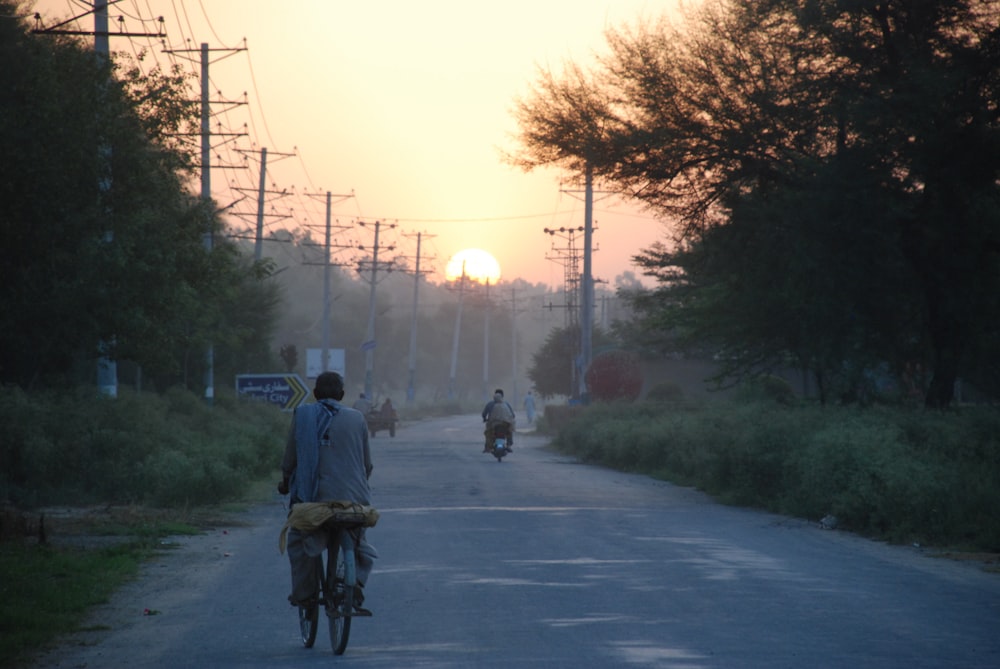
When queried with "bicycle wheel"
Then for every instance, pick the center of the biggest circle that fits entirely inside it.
(341, 604)
(309, 615)
(308, 624)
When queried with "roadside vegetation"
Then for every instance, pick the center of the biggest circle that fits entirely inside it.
(172, 462)
(47, 591)
(898, 474)
(160, 450)
(831, 187)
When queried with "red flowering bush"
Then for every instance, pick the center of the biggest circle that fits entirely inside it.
(614, 375)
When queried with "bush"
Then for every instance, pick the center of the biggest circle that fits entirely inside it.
(614, 375)
(898, 474)
(769, 387)
(558, 416)
(84, 448)
(665, 392)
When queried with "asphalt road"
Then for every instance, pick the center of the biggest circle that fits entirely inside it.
(539, 561)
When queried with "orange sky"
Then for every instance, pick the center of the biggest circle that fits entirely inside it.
(405, 103)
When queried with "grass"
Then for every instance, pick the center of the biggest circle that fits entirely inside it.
(48, 590)
(166, 464)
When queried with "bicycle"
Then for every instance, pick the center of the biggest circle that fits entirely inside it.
(338, 578)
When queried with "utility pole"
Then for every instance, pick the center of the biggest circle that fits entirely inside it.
(107, 367)
(411, 382)
(327, 264)
(206, 184)
(587, 308)
(369, 345)
(454, 340)
(327, 302)
(486, 344)
(587, 282)
(570, 258)
(259, 243)
(206, 195)
(262, 192)
(513, 342)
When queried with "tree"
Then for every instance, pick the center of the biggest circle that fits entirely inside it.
(833, 171)
(563, 122)
(101, 239)
(552, 369)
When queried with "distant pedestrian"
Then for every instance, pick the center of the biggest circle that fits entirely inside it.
(363, 404)
(529, 407)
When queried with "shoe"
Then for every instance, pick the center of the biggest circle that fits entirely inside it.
(359, 599)
(305, 603)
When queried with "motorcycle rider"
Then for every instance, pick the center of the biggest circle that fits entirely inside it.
(495, 412)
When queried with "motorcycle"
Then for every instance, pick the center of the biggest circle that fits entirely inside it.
(500, 449)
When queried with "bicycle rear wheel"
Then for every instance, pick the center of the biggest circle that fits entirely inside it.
(308, 624)
(342, 602)
(309, 615)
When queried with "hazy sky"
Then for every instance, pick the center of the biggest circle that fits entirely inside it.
(405, 103)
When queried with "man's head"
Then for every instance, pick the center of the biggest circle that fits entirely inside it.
(498, 397)
(329, 386)
(499, 391)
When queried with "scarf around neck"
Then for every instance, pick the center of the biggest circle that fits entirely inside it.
(311, 423)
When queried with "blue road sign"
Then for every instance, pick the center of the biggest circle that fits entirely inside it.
(286, 390)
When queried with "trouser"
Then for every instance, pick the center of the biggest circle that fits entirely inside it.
(303, 550)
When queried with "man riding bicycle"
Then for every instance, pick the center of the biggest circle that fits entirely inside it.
(327, 457)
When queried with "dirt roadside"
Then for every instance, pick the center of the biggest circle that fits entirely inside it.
(183, 558)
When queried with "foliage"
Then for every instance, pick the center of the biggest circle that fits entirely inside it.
(769, 387)
(556, 417)
(103, 243)
(896, 474)
(832, 170)
(614, 375)
(159, 450)
(665, 392)
(554, 367)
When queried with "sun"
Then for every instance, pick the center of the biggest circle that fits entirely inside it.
(478, 265)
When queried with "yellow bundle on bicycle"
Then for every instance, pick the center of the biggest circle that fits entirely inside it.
(310, 516)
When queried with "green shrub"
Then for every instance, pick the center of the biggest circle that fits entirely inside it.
(665, 392)
(894, 473)
(558, 416)
(769, 387)
(83, 448)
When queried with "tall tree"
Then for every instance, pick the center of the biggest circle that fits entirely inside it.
(101, 238)
(833, 170)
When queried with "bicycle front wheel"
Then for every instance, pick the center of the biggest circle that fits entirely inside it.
(308, 624)
(343, 579)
